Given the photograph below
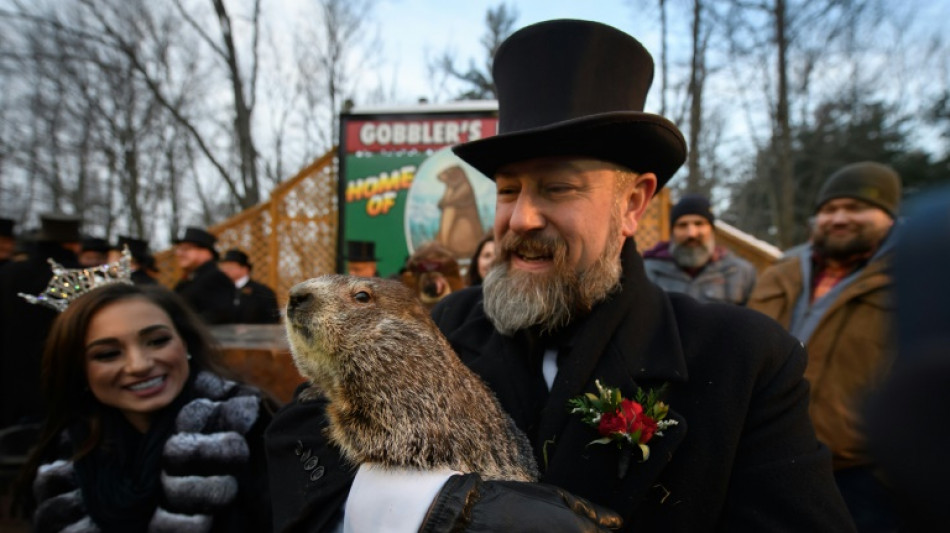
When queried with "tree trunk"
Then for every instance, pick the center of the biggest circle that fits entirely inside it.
(785, 177)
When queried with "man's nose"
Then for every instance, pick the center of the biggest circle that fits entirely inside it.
(526, 215)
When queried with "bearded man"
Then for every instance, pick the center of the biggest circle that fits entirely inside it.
(691, 263)
(567, 310)
(835, 295)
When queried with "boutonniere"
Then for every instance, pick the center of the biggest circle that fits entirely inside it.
(631, 424)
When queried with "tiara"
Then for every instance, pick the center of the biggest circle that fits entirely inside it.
(71, 283)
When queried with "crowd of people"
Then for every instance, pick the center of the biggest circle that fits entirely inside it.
(768, 376)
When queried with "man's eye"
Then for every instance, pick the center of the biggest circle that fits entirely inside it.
(362, 297)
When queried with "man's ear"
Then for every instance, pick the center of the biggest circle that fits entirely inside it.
(636, 198)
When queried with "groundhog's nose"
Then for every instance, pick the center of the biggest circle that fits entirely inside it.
(299, 300)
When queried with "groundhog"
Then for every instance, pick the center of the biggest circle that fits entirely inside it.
(398, 394)
(460, 226)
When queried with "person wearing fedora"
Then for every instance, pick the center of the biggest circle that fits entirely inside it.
(567, 311)
(24, 327)
(691, 263)
(93, 251)
(7, 240)
(254, 302)
(204, 287)
(361, 259)
(143, 262)
(834, 294)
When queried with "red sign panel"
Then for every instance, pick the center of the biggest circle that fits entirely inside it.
(418, 134)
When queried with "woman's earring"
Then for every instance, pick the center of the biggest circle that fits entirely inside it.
(188, 356)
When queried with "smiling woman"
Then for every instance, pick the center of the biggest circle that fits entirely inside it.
(143, 423)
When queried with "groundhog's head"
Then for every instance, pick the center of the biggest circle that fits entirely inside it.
(340, 326)
(453, 175)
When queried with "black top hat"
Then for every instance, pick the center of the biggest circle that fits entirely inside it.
(198, 237)
(57, 227)
(576, 88)
(361, 251)
(236, 256)
(6, 227)
(94, 244)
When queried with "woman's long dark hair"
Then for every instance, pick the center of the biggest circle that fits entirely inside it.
(64, 381)
(473, 275)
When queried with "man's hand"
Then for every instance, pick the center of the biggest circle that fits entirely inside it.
(467, 503)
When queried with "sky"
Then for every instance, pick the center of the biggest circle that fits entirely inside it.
(413, 29)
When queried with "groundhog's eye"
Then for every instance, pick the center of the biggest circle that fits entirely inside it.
(362, 297)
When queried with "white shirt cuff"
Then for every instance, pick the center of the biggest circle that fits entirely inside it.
(391, 500)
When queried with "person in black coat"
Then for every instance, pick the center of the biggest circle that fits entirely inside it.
(566, 311)
(24, 327)
(7, 240)
(204, 287)
(254, 302)
(143, 262)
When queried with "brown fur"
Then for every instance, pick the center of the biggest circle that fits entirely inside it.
(460, 226)
(399, 395)
(432, 272)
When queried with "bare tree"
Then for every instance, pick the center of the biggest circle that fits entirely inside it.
(329, 59)
(476, 81)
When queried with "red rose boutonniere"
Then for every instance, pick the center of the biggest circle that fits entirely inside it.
(629, 423)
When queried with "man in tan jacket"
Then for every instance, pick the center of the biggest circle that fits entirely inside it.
(834, 295)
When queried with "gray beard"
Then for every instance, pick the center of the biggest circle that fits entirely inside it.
(515, 300)
(688, 256)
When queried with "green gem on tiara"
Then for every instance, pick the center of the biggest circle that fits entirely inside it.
(77, 281)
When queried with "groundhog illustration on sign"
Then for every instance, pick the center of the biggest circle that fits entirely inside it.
(460, 227)
(398, 394)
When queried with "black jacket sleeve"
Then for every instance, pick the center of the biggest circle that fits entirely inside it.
(309, 480)
(467, 503)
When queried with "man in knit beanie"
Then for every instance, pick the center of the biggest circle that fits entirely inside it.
(691, 263)
(836, 295)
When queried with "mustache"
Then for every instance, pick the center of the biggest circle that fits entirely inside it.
(534, 244)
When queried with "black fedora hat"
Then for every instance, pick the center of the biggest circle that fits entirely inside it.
(94, 244)
(58, 227)
(576, 88)
(236, 256)
(6, 227)
(362, 251)
(137, 247)
(199, 237)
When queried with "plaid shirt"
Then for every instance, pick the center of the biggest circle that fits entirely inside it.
(826, 275)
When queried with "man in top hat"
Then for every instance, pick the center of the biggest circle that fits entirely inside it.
(691, 263)
(24, 326)
(206, 289)
(254, 302)
(143, 262)
(361, 259)
(835, 295)
(568, 306)
(93, 251)
(7, 240)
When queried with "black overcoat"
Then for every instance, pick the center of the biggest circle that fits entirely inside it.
(23, 331)
(256, 303)
(209, 292)
(743, 456)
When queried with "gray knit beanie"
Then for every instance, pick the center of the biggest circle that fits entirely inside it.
(874, 183)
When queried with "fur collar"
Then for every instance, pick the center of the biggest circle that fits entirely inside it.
(200, 461)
